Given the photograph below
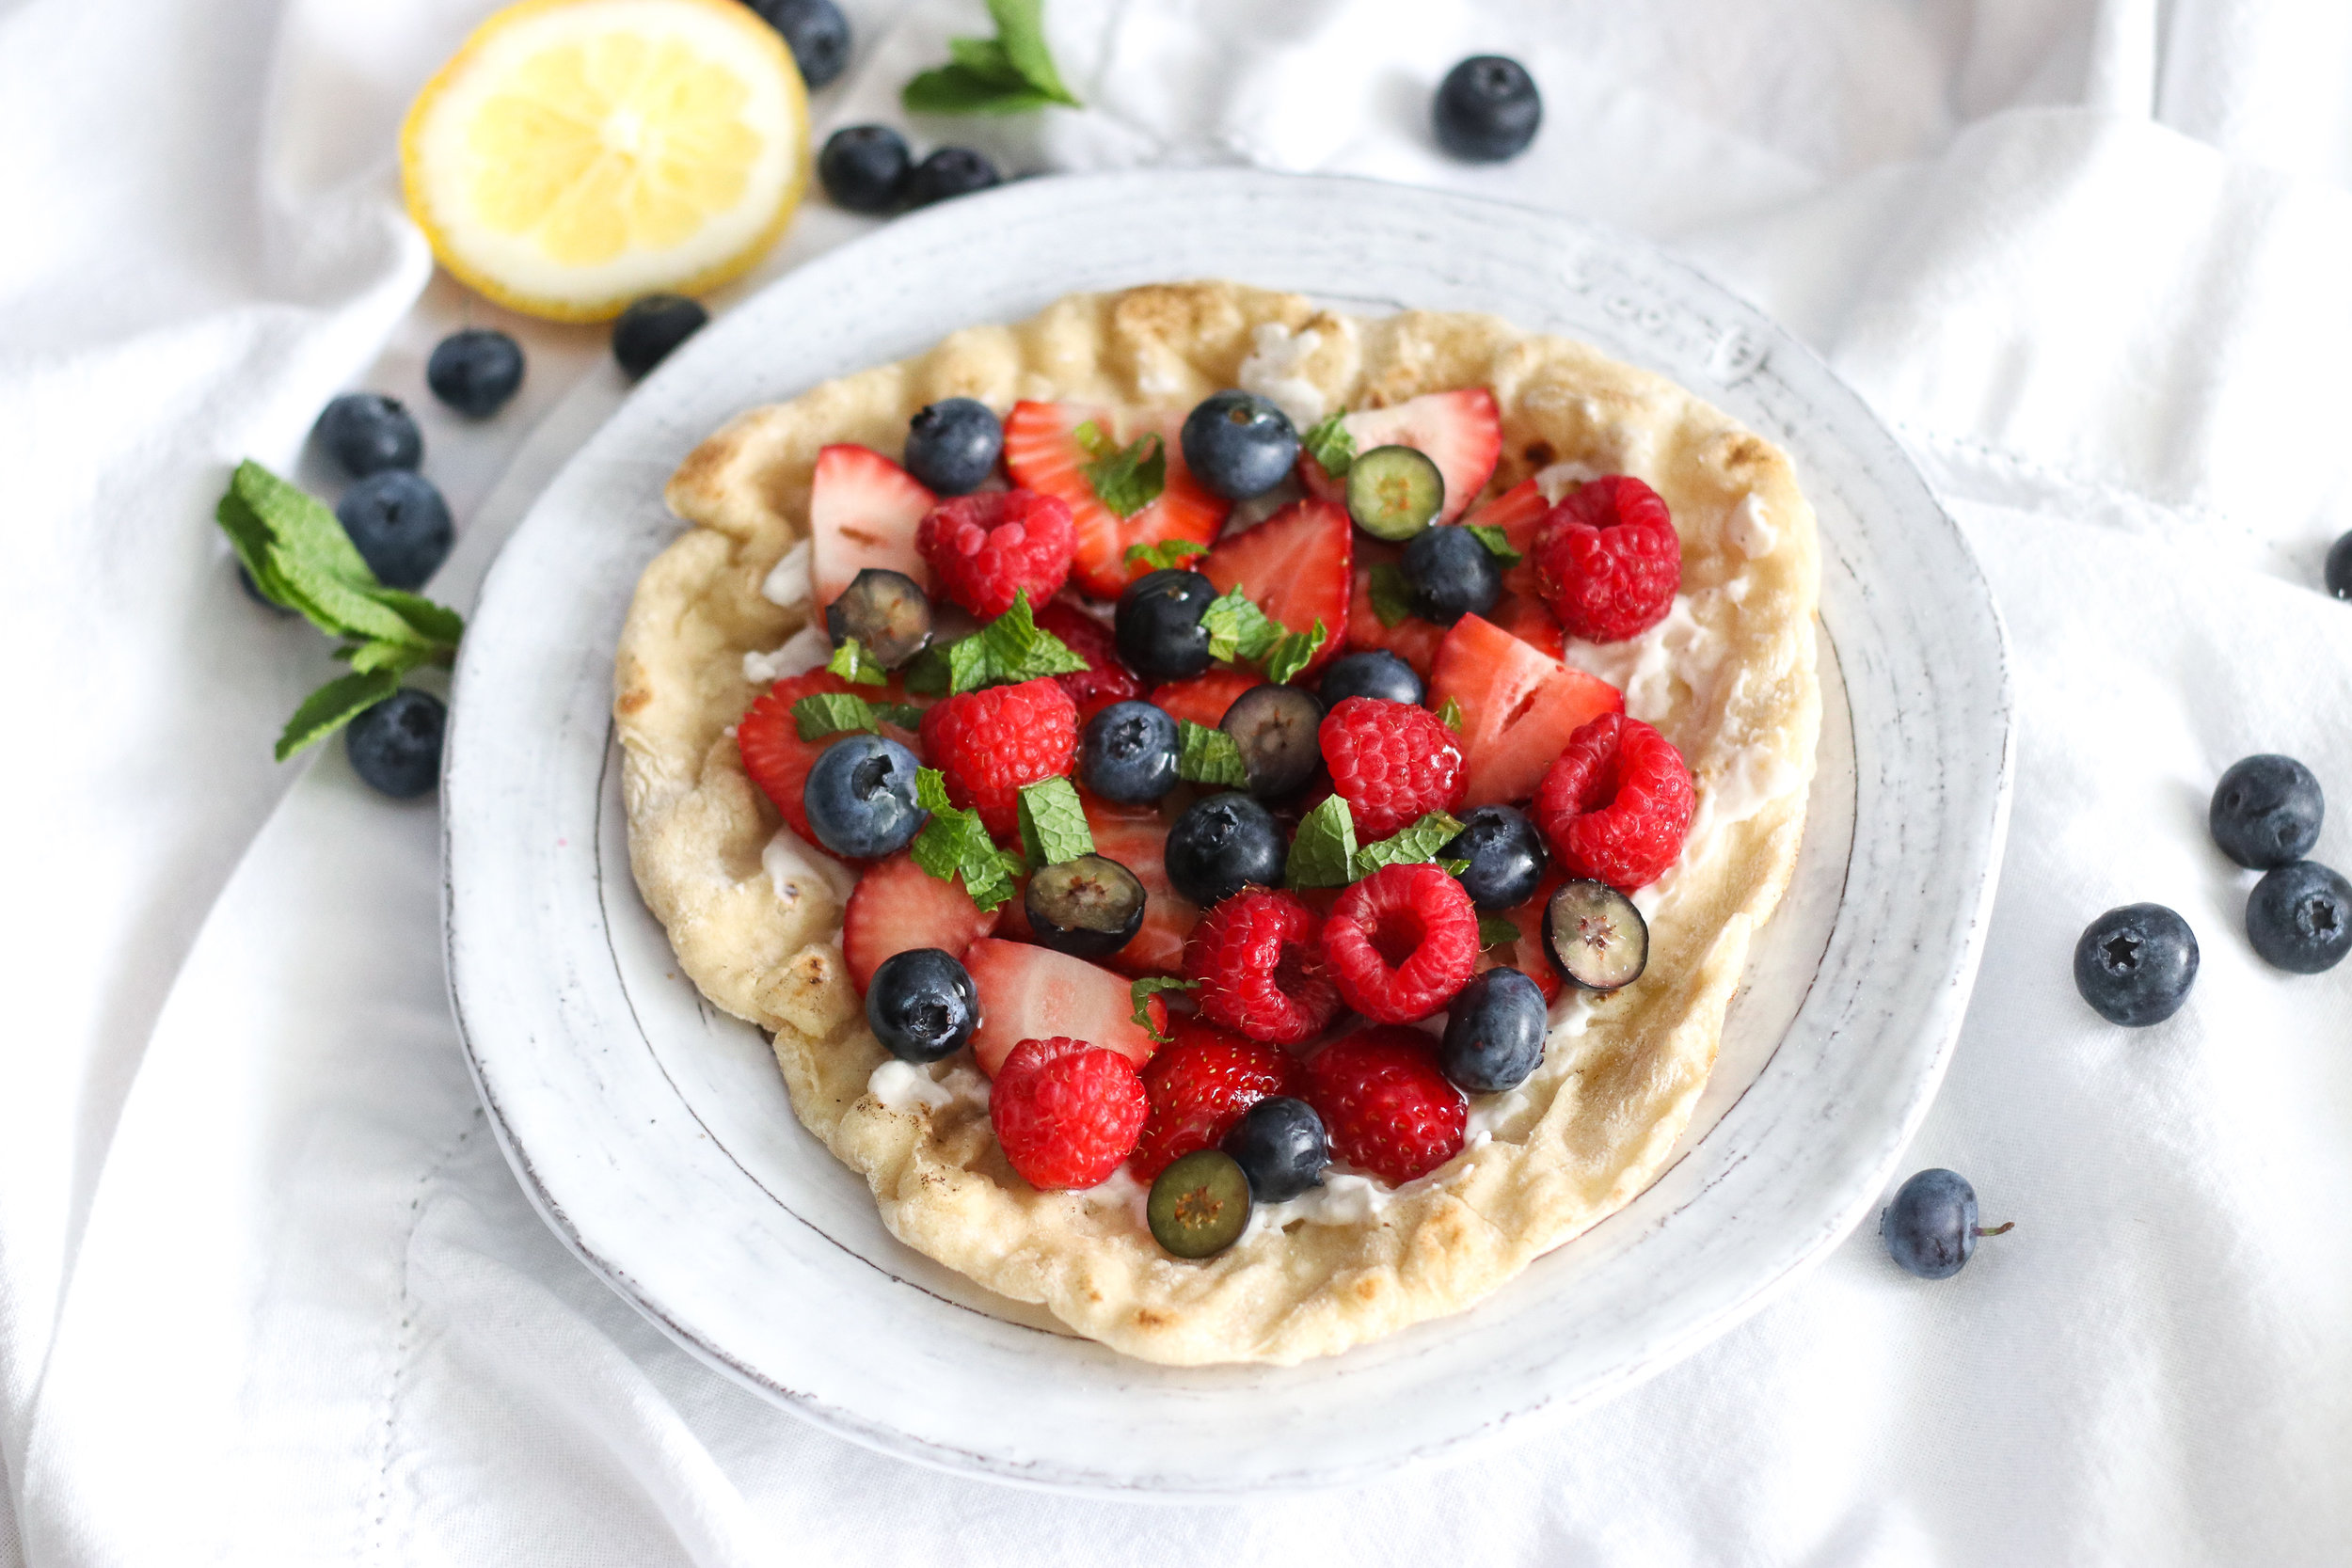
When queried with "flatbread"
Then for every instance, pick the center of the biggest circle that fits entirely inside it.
(756, 919)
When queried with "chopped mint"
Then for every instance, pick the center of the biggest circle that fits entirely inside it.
(1053, 823)
(1392, 592)
(852, 663)
(1149, 987)
(1331, 445)
(1007, 75)
(1494, 931)
(1295, 651)
(1127, 479)
(1450, 715)
(1237, 628)
(1165, 553)
(954, 843)
(1407, 845)
(1007, 651)
(299, 557)
(1208, 755)
(1324, 849)
(1454, 868)
(823, 713)
(1497, 542)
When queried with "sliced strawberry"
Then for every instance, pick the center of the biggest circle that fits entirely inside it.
(863, 511)
(1412, 639)
(1107, 680)
(776, 757)
(1043, 453)
(1529, 619)
(1527, 955)
(1138, 841)
(1460, 431)
(897, 906)
(1519, 512)
(1204, 698)
(1035, 994)
(1518, 707)
(1298, 566)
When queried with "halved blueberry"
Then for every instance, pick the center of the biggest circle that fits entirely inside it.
(1199, 1206)
(1597, 939)
(1273, 728)
(1393, 492)
(1088, 908)
(886, 611)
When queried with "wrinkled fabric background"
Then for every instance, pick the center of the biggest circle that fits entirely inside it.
(268, 1292)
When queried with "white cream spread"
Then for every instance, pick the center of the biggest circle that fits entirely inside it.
(803, 652)
(1644, 667)
(794, 866)
(1555, 482)
(1748, 530)
(903, 1086)
(1272, 372)
(787, 583)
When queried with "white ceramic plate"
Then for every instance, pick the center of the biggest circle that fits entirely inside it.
(654, 1132)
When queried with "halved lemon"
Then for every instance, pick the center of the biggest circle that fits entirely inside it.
(577, 154)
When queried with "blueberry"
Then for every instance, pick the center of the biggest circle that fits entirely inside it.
(1279, 1145)
(1239, 445)
(367, 433)
(864, 167)
(816, 32)
(950, 171)
(1487, 109)
(921, 1005)
(2266, 811)
(475, 370)
(1394, 492)
(1273, 728)
(886, 611)
(1221, 845)
(1931, 1229)
(1494, 1032)
(1505, 855)
(1089, 907)
(400, 524)
(1200, 1205)
(1452, 575)
(1157, 624)
(395, 746)
(1594, 936)
(1129, 753)
(643, 335)
(860, 798)
(2337, 574)
(953, 445)
(1376, 672)
(2135, 964)
(2299, 918)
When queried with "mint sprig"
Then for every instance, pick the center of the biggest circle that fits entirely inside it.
(299, 558)
(1141, 992)
(1053, 823)
(1125, 478)
(1163, 553)
(1329, 444)
(1239, 631)
(1295, 651)
(823, 713)
(852, 663)
(1208, 755)
(1392, 598)
(1323, 852)
(1408, 846)
(954, 843)
(1497, 542)
(1007, 75)
(1494, 931)
(1007, 651)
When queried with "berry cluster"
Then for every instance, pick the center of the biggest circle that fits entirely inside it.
(1067, 822)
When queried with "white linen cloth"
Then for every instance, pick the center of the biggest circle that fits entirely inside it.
(268, 1292)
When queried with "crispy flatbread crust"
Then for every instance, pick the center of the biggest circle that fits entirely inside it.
(1739, 696)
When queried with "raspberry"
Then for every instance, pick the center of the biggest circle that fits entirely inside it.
(982, 550)
(1616, 806)
(987, 744)
(1608, 560)
(1401, 943)
(1385, 1107)
(1108, 681)
(1200, 1084)
(1260, 970)
(1393, 762)
(1066, 1112)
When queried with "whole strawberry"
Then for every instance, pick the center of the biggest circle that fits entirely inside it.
(1200, 1084)
(1385, 1107)
(1616, 806)
(1108, 680)
(987, 744)
(1393, 762)
(983, 550)
(1260, 968)
(1065, 1112)
(1416, 910)
(1608, 560)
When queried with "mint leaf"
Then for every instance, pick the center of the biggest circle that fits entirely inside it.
(1237, 628)
(954, 843)
(931, 674)
(332, 706)
(1331, 445)
(1007, 75)
(987, 59)
(1295, 651)
(1021, 35)
(852, 663)
(1494, 931)
(1125, 480)
(1324, 849)
(1166, 553)
(1454, 868)
(1053, 823)
(823, 713)
(1392, 598)
(958, 89)
(397, 657)
(1407, 845)
(1497, 542)
(1450, 715)
(1141, 992)
(1208, 757)
(1007, 651)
